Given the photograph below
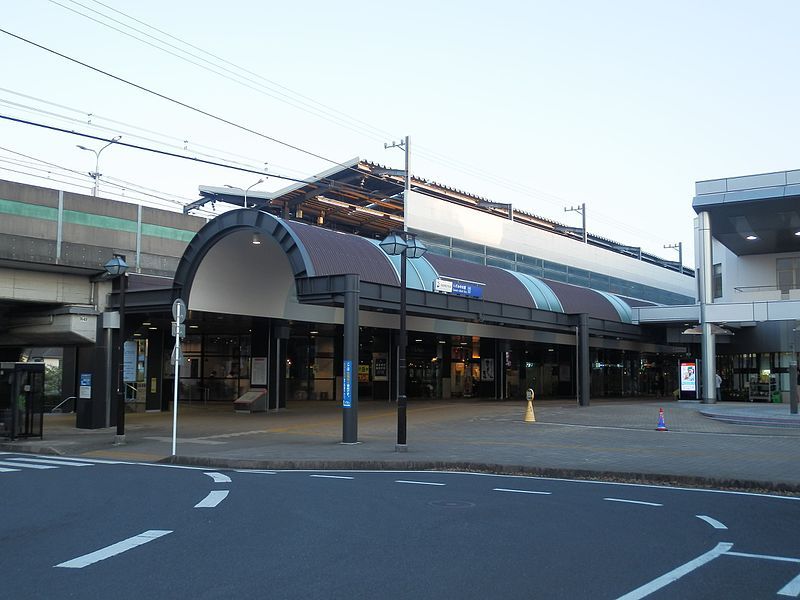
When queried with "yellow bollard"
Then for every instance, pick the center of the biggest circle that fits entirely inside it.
(529, 416)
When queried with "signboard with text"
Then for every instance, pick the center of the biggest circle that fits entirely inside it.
(347, 384)
(457, 287)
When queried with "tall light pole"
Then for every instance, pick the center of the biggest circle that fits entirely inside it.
(406, 245)
(248, 189)
(117, 268)
(96, 174)
(233, 187)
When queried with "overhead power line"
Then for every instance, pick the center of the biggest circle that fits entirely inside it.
(187, 106)
(299, 101)
(342, 185)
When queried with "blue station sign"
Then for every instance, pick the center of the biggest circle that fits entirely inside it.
(471, 289)
(347, 384)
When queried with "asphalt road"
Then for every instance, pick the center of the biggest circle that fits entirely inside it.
(100, 529)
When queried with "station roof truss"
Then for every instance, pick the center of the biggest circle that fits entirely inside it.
(366, 198)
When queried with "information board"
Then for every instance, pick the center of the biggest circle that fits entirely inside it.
(347, 384)
(688, 377)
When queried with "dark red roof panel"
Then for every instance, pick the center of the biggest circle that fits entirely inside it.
(334, 253)
(499, 285)
(576, 299)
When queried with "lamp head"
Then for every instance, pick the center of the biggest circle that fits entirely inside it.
(415, 248)
(394, 244)
(116, 266)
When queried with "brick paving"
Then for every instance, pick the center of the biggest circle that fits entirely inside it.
(614, 439)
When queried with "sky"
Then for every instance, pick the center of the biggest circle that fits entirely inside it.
(620, 105)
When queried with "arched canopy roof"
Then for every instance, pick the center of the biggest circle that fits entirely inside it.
(314, 251)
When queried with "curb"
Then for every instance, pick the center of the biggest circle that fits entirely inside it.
(781, 422)
(690, 481)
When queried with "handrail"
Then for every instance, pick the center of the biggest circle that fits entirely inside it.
(55, 408)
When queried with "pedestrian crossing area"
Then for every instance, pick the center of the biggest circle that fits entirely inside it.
(16, 463)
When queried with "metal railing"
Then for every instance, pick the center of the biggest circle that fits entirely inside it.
(57, 407)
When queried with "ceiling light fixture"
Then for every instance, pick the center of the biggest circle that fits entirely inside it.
(751, 237)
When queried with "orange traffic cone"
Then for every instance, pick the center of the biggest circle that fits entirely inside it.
(661, 425)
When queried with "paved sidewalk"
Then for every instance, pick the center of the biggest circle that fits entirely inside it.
(610, 439)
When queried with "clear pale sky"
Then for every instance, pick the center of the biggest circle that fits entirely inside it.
(622, 105)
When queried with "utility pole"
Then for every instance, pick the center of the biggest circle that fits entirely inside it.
(581, 210)
(407, 189)
(679, 248)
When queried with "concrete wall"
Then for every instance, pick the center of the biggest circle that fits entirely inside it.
(757, 271)
(92, 230)
(444, 218)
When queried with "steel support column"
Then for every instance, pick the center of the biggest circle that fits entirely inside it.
(708, 345)
(350, 372)
(584, 369)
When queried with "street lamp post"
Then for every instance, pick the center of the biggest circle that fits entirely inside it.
(248, 189)
(245, 190)
(96, 174)
(117, 268)
(406, 245)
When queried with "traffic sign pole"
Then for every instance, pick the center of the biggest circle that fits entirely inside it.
(179, 313)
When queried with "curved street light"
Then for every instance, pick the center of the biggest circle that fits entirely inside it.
(117, 268)
(406, 245)
(96, 174)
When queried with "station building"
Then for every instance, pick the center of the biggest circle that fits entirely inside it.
(525, 297)
(501, 302)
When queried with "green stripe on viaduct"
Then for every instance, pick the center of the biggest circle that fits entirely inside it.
(35, 211)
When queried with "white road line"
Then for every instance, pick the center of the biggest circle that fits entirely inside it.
(256, 471)
(5, 463)
(764, 556)
(113, 549)
(419, 482)
(791, 589)
(212, 499)
(713, 522)
(331, 476)
(675, 574)
(633, 501)
(45, 461)
(96, 461)
(4, 470)
(520, 491)
(219, 477)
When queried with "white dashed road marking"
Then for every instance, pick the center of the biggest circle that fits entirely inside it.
(419, 482)
(46, 461)
(219, 477)
(212, 499)
(331, 476)
(7, 463)
(713, 522)
(633, 501)
(113, 549)
(4, 470)
(256, 471)
(521, 491)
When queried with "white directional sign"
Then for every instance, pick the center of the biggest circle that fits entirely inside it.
(179, 310)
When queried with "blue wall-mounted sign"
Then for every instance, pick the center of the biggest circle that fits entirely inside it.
(471, 289)
(347, 384)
